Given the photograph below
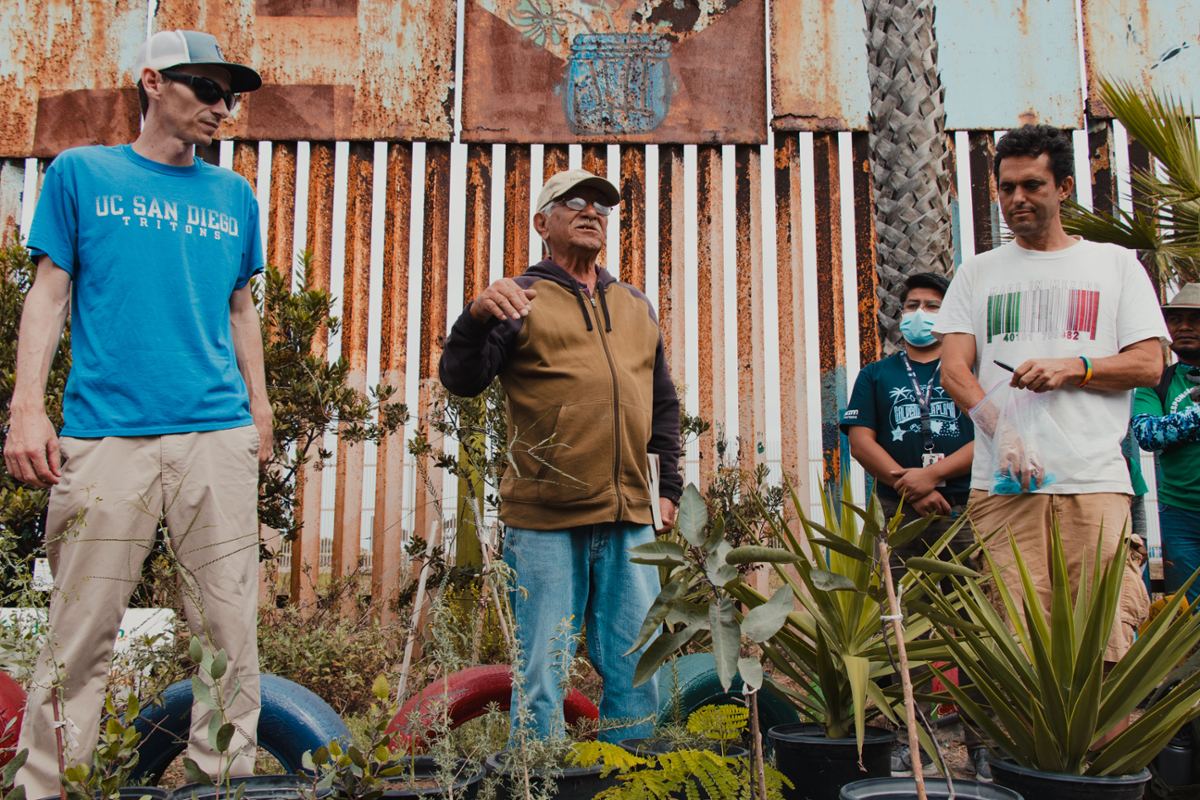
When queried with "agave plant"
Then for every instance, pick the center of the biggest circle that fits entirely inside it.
(1168, 232)
(1046, 681)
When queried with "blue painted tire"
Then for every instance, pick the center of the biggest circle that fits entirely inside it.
(700, 686)
(293, 721)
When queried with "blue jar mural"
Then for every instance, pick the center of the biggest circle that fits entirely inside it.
(617, 83)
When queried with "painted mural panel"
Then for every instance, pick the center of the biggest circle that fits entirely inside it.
(66, 74)
(1008, 62)
(1153, 43)
(334, 69)
(1003, 63)
(683, 71)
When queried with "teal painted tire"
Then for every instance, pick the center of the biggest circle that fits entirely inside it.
(698, 685)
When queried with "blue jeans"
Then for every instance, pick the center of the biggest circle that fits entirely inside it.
(582, 576)
(1180, 530)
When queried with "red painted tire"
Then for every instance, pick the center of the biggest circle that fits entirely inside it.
(471, 691)
(12, 710)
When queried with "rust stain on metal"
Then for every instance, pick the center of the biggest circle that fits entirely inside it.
(320, 217)
(356, 285)
(12, 185)
(671, 296)
(633, 215)
(710, 249)
(517, 214)
(830, 303)
(751, 352)
(67, 76)
(434, 273)
(793, 359)
(364, 70)
(864, 250)
(1101, 142)
(818, 66)
(281, 215)
(478, 236)
(595, 159)
(387, 544)
(555, 159)
(707, 87)
(985, 210)
(245, 161)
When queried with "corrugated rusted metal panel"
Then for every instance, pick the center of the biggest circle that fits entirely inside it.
(830, 305)
(671, 295)
(710, 257)
(334, 69)
(1154, 45)
(434, 274)
(281, 219)
(793, 358)
(356, 290)
(985, 209)
(630, 71)
(864, 250)
(633, 215)
(387, 546)
(818, 66)
(12, 187)
(306, 549)
(517, 214)
(751, 352)
(1026, 54)
(66, 78)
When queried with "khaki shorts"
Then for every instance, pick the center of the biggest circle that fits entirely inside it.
(1080, 520)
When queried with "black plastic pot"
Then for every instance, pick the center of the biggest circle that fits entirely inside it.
(1033, 784)
(258, 787)
(819, 767)
(657, 747)
(570, 783)
(133, 793)
(935, 789)
(466, 785)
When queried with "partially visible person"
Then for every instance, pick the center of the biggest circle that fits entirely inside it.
(167, 418)
(1166, 421)
(1076, 320)
(915, 442)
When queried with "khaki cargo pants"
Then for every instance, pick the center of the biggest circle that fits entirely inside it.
(100, 527)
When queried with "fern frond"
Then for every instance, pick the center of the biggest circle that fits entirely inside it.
(589, 754)
(722, 723)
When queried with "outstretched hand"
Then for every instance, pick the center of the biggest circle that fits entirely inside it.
(504, 300)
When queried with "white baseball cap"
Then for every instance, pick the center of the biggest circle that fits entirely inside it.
(167, 49)
(562, 182)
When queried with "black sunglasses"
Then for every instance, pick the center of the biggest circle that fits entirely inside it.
(206, 89)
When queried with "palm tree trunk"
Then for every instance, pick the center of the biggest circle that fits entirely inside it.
(910, 155)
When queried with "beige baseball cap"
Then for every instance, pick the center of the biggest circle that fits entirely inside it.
(1187, 297)
(562, 182)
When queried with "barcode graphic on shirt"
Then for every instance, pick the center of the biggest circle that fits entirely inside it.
(1058, 313)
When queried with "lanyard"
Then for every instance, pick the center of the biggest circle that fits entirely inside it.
(923, 400)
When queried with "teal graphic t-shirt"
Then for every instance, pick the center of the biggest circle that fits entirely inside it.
(1180, 484)
(154, 253)
(884, 401)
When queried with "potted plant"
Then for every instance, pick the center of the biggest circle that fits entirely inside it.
(1054, 700)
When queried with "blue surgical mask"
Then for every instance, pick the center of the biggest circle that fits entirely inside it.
(917, 327)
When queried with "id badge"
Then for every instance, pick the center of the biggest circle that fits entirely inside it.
(928, 459)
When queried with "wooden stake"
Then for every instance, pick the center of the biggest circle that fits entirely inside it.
(418, 603)
(910, 706)
(760, 772)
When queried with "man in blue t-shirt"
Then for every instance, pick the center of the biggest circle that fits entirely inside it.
(911, 438)
(166, 411)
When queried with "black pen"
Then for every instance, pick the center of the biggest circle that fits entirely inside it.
(1002, 365)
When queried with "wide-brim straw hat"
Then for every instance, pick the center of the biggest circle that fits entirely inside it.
(1187, 297)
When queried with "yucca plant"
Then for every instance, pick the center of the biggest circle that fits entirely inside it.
(1046, 682)
(835, 641)
(1167, 233)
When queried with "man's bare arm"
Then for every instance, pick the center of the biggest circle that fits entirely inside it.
(31, 451)
(866, 450)
(1138, 364)
(958, 358)
(247, 345)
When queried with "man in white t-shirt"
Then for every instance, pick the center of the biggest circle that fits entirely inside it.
(1076, 319)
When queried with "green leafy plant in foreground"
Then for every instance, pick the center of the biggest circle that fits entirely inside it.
(208, 689)
(1047, 682)
(8, 777)
(113, 760)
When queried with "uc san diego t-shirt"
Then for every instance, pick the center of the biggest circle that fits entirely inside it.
(154, 252)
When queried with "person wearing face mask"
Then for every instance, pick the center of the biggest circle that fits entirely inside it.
(911, 438)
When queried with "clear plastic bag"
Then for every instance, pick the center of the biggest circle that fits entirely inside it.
(1029, 450)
